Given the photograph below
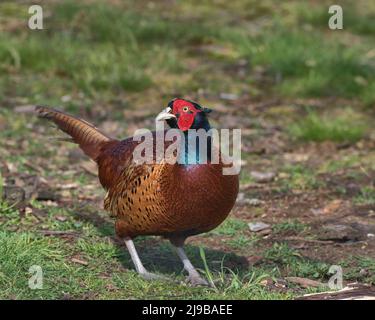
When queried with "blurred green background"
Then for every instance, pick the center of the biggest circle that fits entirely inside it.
(109, 52)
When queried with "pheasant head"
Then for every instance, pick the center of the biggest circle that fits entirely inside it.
(184, 115)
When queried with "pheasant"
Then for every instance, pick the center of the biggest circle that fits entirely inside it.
(174, 201)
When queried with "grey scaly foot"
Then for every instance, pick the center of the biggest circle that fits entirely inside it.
(197, 280)
(138, 264)
(194, 277)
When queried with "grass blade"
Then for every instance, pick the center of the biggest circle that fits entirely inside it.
(207, 270)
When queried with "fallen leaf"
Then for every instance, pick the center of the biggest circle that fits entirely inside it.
(79, 261)
(332, 206)
(258, 226)
(305, 283)
(61, 218)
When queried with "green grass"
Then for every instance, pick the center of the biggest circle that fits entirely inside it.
(342, 128)
(103, 277)
(346, 162)
(242, 241)
(293, 226)
(9, 216)
(361, 268)
(238, 232)
(246, 177)
(116, 49)
(366, 196)
(299, 177)
(359, 17)
(309, 65)
(93, 61)
(301, 57)
(230, 227)
(281, 255)
(281, 252)
(107, 272)
(1, 187)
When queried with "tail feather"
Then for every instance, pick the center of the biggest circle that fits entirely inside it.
(87, 136)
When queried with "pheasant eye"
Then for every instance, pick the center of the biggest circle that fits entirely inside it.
(185, 109)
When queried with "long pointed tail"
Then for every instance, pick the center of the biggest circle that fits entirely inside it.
(89, 138)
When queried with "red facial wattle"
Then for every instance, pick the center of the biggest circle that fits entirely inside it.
(185, 121)
(186, 112)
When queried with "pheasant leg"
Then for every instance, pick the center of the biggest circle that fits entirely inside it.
(194, 277)
(138, 263)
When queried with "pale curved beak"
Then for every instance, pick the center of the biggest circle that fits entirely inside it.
(165, 114)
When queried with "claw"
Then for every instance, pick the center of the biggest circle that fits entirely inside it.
(197, 280)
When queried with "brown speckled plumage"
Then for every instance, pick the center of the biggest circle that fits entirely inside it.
(163, 199)
(174, 201)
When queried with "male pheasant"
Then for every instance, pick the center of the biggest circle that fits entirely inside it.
(171, 200)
